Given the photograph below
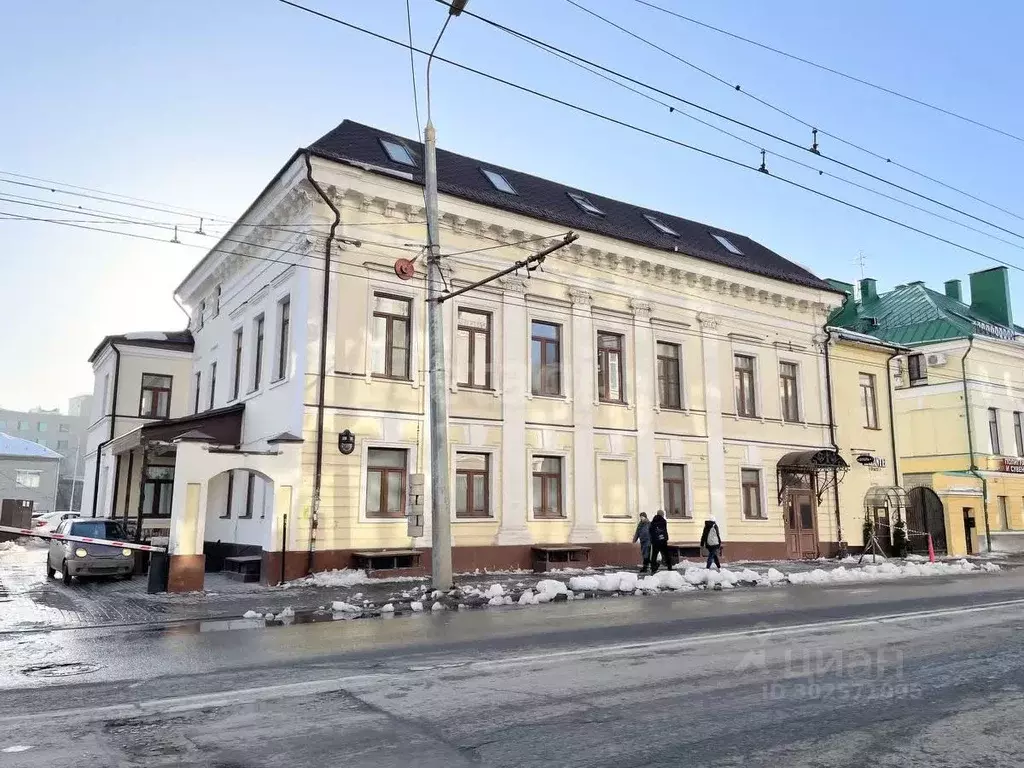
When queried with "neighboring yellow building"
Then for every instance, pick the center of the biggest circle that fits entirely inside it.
(959, 402)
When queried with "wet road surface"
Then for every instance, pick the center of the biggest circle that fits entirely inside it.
(907, 673)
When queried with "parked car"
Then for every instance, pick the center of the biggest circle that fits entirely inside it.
(48, 521)
(76, 559)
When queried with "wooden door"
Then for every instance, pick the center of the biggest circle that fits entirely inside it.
(801, 525)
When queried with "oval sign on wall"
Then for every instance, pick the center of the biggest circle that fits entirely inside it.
(865, 459)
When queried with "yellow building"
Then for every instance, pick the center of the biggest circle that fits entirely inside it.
(959, 399)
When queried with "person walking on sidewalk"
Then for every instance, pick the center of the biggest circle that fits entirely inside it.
(643, 535)
(711, 539)
(659, 542)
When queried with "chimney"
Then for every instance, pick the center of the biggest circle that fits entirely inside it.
(990, 295)
(868, 290)
(953, 290)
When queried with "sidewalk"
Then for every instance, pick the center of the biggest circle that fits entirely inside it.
(28, 601)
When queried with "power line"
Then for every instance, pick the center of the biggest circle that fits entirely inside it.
(653, 134)
(839, 73)
(412, 67)
(708, 110)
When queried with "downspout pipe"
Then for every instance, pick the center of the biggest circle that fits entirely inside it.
(970, 447)
(318, 466)
(110, 437)
(892, 419)
(832, 424)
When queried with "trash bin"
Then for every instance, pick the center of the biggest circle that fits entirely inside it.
(159, 566)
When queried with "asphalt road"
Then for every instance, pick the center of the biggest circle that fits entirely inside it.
(925, 673)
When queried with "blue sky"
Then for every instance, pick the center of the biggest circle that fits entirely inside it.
(197, 104)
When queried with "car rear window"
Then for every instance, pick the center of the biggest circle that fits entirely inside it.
(98, 529)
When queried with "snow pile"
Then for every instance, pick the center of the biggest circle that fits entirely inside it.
(888, 571)
(495, 590)
(416, 607)
(620, 581)
(663, 580)
(252, 615)
(389, 608)
(584, 583)
(340, 606)
(346, 577)
(11, 546)
(529, 597)
(437, 607)
(501, 600)
(550, 588)
(726, 579)
(775, 576)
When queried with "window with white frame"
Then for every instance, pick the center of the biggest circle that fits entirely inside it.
(213, 383)
(236, 364)
(750, 486)
(669, 374)
(869, 400)
(385, 482)
(547, 487)
(284, 329)
(673, 490)
(259, 327)
(789, 389)
(546, 358)
(27, 478)
(391, 337)
(472, 485)
(216, 301)
(993, 431)
(746, 398)
(198, 394)
(155, 402)
(473, 349)
(610, 374)
(200, 311)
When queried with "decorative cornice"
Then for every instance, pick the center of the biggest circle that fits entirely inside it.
(707, 322)
(641, 309)
(513, 284)
(580, 297)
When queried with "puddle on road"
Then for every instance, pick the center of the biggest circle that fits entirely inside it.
(60, 670)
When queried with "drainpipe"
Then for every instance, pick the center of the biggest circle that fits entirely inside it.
(970, 447)
(832, 425)
(892, 420)
(113, 418)
(322, 380)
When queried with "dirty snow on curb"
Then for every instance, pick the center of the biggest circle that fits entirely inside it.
(347, 577)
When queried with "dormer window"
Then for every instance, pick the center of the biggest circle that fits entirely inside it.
(661, 226)
(585, 205)
(726, 243)
(499, 181)
(398, 153)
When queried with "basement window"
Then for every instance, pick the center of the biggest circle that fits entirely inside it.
(661, 226)
(585, 205)
(499, 181)
(398, 153)
(727, 244)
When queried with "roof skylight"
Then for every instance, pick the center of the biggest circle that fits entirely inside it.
(399, 153)
(661, 226)
(585, 205)
(499, 181)
(727, 244)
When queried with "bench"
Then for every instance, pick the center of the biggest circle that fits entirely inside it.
(544, 557)
(387, 560)
(243, 567)
(684, 549)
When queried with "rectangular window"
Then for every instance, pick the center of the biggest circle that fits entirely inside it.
(868, 400)
(790, 392)
(391, 336)
(1018, 434)
(24, 425)
(213, 383)
(610, 376)
(200, 311)
(42, 426)
(750, 480)
(236, 372)
(67, 427)
(226, 514)
(746, 400)
(156, 396)
(673, 490)
(62, 445)
(27, 478)
(547, 487)
(918, 371)
(669, 389)
(199, 391)
(257, 363)
(473, 352)
(284, 330)
(472, 485)
(993, 431)
(106, 396)
(546, 358)
(499, 181)
(397, 152)
(727, 244)
(216, 302)
(585, 205)
(250, 496)
(385, 482)
(1004, 515)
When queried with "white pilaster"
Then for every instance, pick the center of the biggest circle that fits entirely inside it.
(645, 397)
(713, 396)
(584, 524)
(514, 375)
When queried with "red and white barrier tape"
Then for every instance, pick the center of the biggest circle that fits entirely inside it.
(82, 539)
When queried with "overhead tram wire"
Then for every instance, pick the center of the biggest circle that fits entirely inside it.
(652, 134)
(754, 145)
(680, 99)
(837, 72)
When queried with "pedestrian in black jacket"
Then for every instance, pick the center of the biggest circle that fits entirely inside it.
(643, 535)
(711, 539)
(659, 542)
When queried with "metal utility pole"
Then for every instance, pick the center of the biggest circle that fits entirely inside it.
(440, 503)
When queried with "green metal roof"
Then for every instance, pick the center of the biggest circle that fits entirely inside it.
(913, 315)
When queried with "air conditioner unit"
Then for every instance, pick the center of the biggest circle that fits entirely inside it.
(936, 359)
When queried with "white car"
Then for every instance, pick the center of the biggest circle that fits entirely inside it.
(50, 520)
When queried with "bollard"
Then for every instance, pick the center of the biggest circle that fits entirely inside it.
(931, 550)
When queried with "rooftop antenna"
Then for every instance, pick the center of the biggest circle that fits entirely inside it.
(860, 260)
(175, 238)
(200, 230)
